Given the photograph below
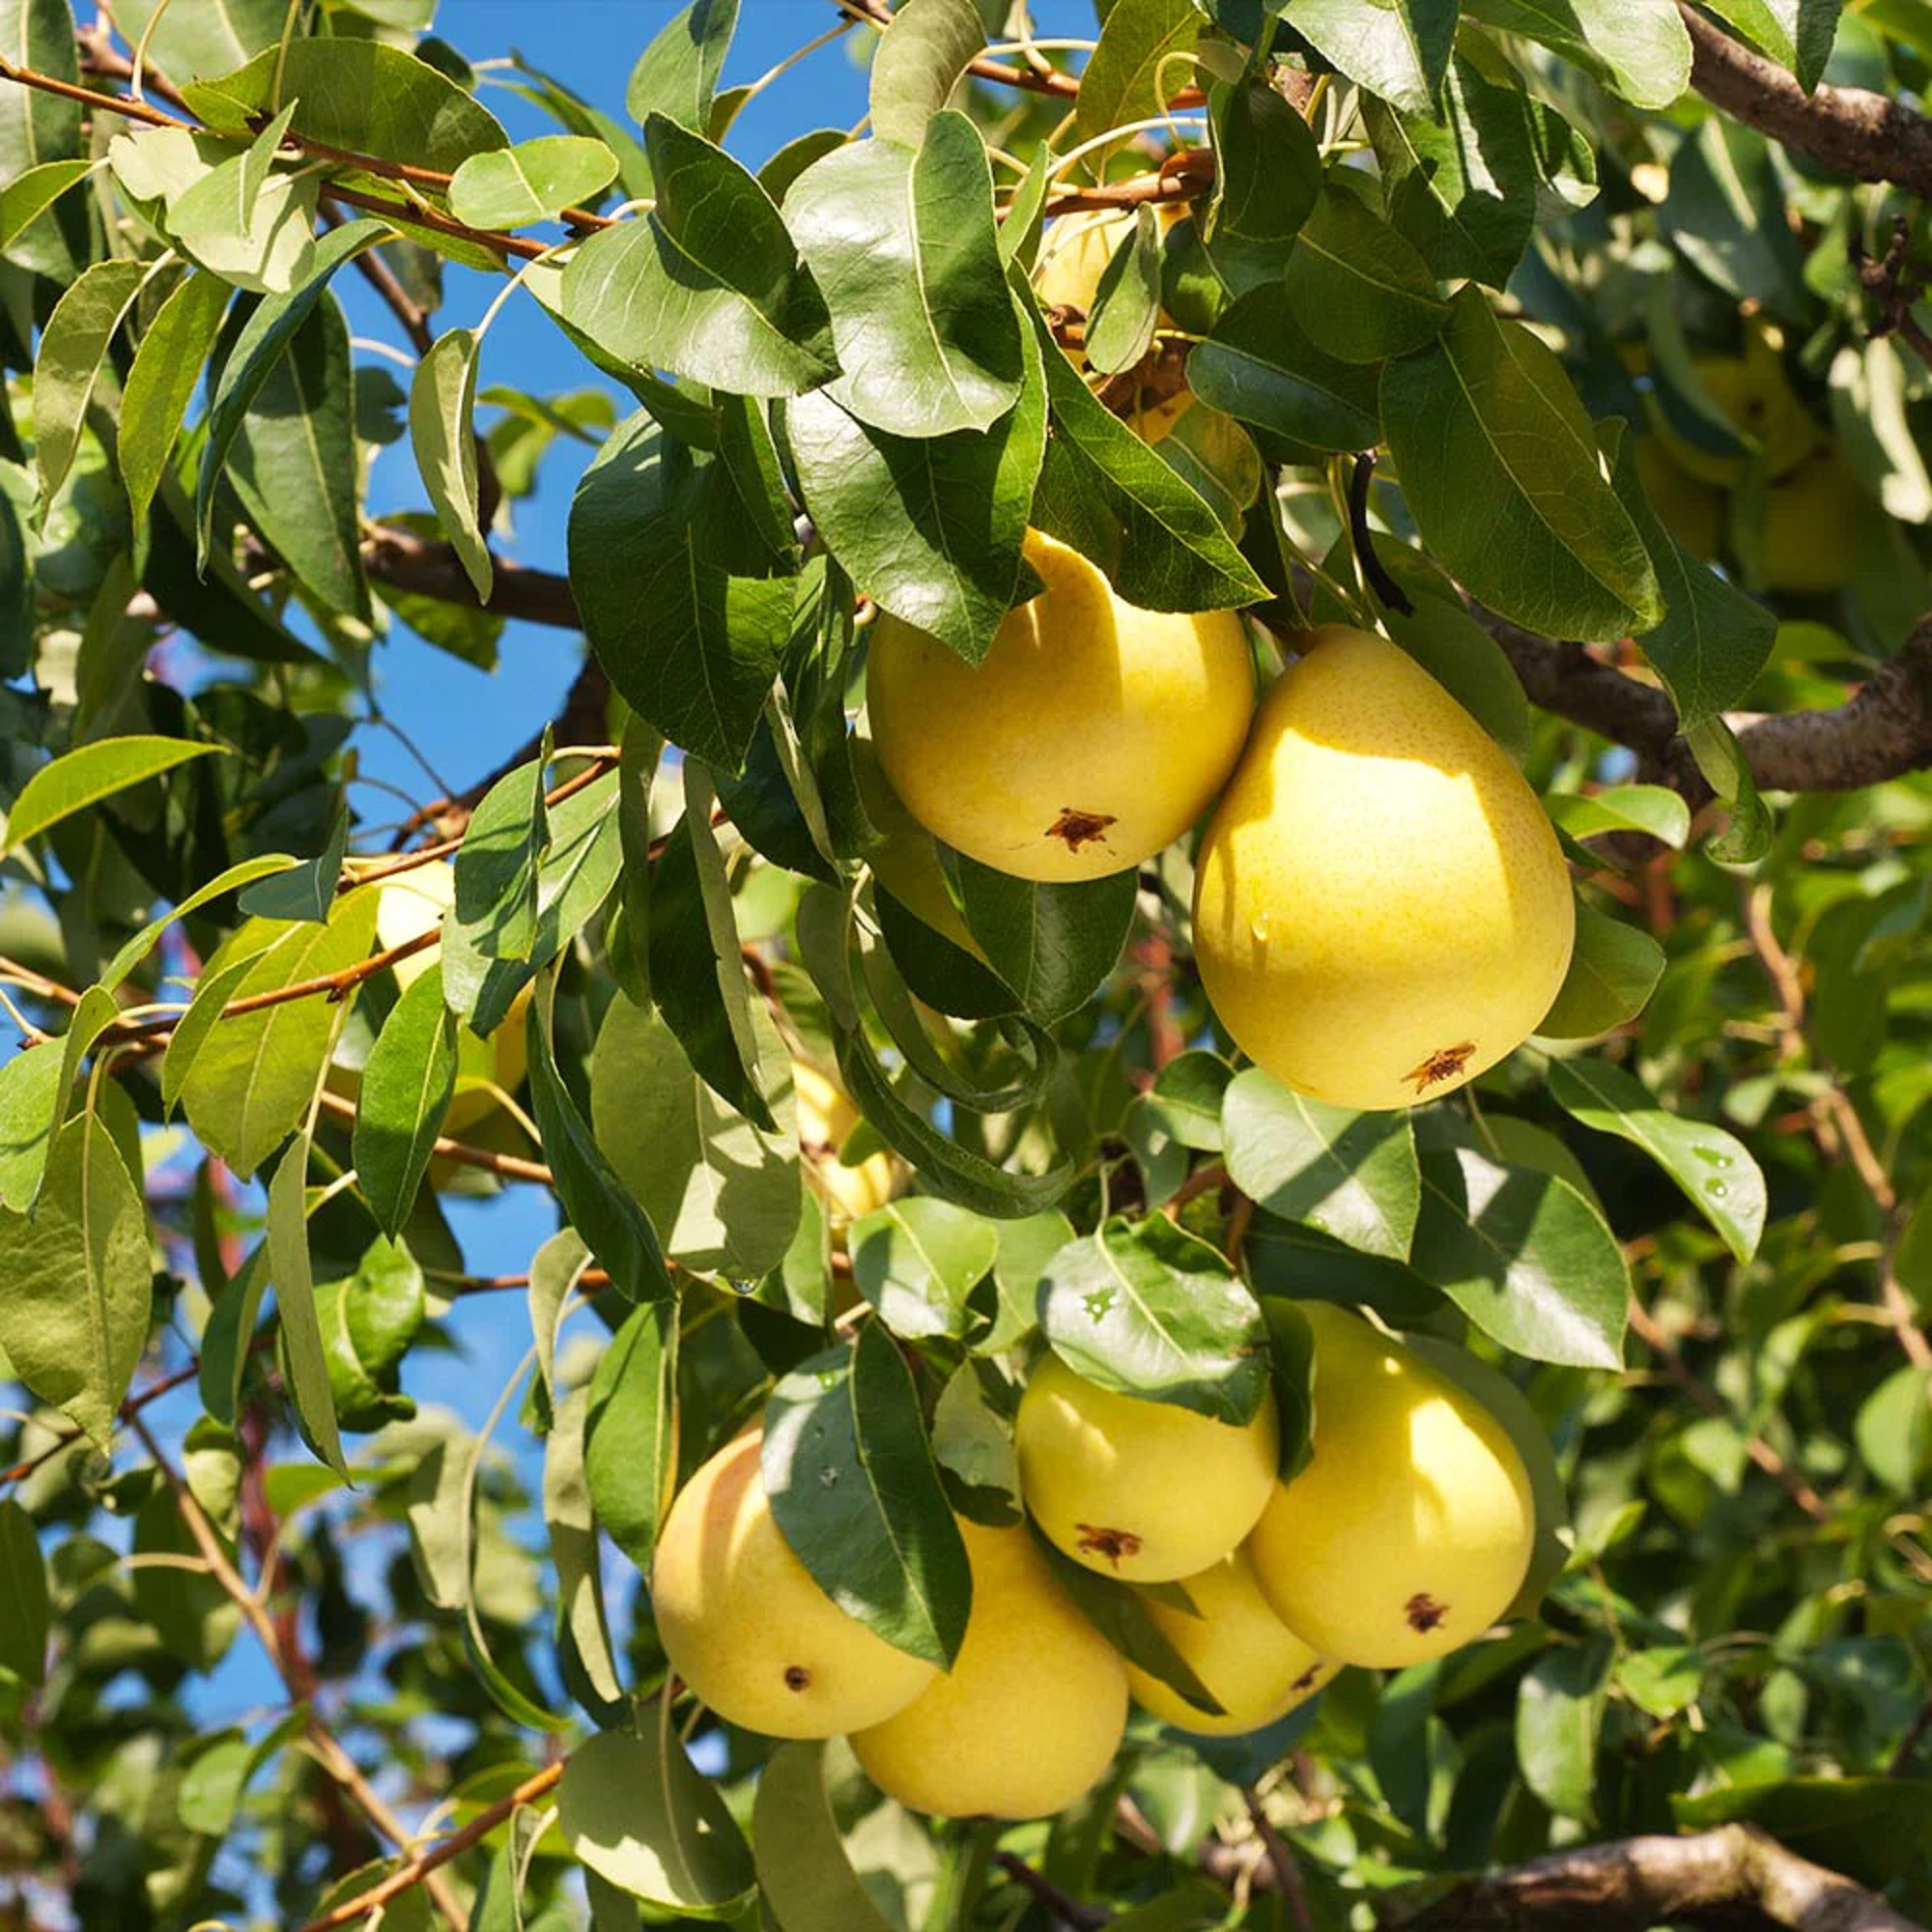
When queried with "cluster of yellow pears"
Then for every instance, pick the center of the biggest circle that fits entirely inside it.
(1406, 1533)
(1809, 508)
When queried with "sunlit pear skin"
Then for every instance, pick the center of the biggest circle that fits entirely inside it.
(826, 1116)
(1092, 735)
(1381, 909)
(1410, 1530)
(1257, 1668)
(745, 1626)
(1756, 397)
(410, 906)
(1143, 1491)
(1030, 1716)
(1809, 537)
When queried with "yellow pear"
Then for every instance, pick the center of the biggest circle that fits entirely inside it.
(1689, 509)
(1409, 1531)
(826, 1116)
(1030, 1716)
(1073, 255)
(747, 1628)
(1809, 536)
(1144, 1490)
(1091, 734)
(1255, 1667)
(1756, 397)
(409, 905)
(1381, 909)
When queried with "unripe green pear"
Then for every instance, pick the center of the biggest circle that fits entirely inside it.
(1409, 1531)
(748, 1629)
(1257, 1668)
(1030, 1716)
(1143, 1491)
(1090, 735)
(1381, 909)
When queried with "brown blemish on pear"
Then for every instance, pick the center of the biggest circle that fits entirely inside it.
(1424, 1613)
(1111, 1544)
(1444, 1063)
(1075, 829)
(797, 1677)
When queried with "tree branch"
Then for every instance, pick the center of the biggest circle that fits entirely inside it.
(1846, 128)
(1641, 1882)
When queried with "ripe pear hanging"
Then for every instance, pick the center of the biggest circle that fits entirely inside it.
(1382, 908)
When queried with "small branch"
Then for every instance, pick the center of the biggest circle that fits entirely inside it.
(1635, 1882)
(1847, 129)
(418, 1869)
(1031, 79)
(506, 1166)
(1068, 1911)
(407, 562)
(1282, 1861)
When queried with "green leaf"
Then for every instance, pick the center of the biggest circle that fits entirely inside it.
(406, 1091)
(1725, 216)
(1351, 1176)
(73, 344)
(1613, 970)
(598, 1204)
(630, 1432)
(17, 590)
(1356, 287)
(37, 127)
(573, 1547)
(511, 188)
(292, 1272)
(805, 1875)
(206, 186)
(442, 398)
(1523, 1255)
(1026, 1247)
(296, 467)
(363, 95)
(636, 1812)
(1112, 497)
(919, 63)
(1714, 1168)
(708, 284)
(216, 1776)
(1461, 187)
(242, 874)
(678, 73)
(1141, 62)
(929, 528)
(83, 777)
(1642, 52)
(368, 1320)
(1054, 945)
(23, 1598)
(1655, 810)
(1559, 1721)
(1796, 34)
(75, 1318)
(1893, 1431)
(679, 602)
(32, 1086)
(1258, 366)
(210, 37)
(253, 1074)
(168, 362)
(1499, 467)
(1268, 168)
(1458, 652)
(1126, 303)
(725, 1195)
(916, 1260)
(261, 343)
(1396, 48)
(1147, 1310)
(697, 973)
(903, 246)
(1869, 1827)
(25, 199)
(1727, 770)
(855, 1493)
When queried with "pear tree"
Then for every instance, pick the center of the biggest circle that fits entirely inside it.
(1152, 1153)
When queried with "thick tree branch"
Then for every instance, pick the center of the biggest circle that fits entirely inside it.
(1847, 129)
(1734, 1875)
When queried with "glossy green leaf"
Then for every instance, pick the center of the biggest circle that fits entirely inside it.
(292, 1272)
(1268, 168)
(511, 188)
(918, 65)
(32, 1082)
(80, 778)
(211, 38)
(368, 1320)
(406, 1091)
(1613, 971)
(573, 1546)
(168, 362)
(1053, 945)
(1398, 50)
(37, 128)
(678, 73)
(1353, 1176)
(1559, 1720)
(1150, 1311)
(1120, 1613)
(1727, 770)
(1140, 64)
(1796, 34)
(73, 347)
(1258, 367)
(855, 1493)
(630, 1441)
(1654, 810)
(805, 1873)
(1126, 303)
(28, 196)
(1358, 290)
(916, 1260)
(442, 399)
(23, 1594)
(1642, 52)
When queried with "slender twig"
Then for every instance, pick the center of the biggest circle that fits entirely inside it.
(1068, 1909)
(1282, 1861)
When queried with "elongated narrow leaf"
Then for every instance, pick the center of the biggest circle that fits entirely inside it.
(1713, 1167)
(1351, 1176)
(407, 1086)
(29, 196)
(167, 366)
(1499, 466)
(37, 128)
(1258, 367)
(918, 64)
(32, 1092)
(1126, 303)
(72, 347)
(23, 1596)
(1151, 1311)
(709, 284)
(292, 1271)
(804, 1874)
(236, 878)
(75, 1318)
(573, 1547)
(80, 778)
(1642, 52)
(630, 1445)
(876, 1531)
(1651, 809)
(1796, 34)
(442, 397)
